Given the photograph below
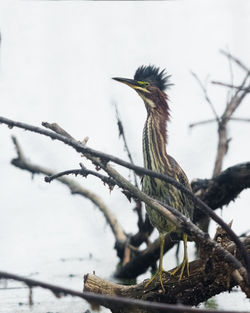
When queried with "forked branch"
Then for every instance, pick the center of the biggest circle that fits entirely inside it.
(173, 215)
(237, 95)
(228, 185)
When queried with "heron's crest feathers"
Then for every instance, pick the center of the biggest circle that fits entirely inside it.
(154, 76)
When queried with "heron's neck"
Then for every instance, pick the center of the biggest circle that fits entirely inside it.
(154, 142)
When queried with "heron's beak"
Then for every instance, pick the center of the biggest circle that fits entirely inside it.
(130, 82)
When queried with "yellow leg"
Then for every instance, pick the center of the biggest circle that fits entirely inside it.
(160, 269)
(184, 263)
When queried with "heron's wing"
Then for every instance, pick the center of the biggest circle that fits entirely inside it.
(178, 173)
(181, 177)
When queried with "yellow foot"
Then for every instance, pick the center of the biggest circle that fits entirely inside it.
(181, 268)
(184, 262)
(157, 274)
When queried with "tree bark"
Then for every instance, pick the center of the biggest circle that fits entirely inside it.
(223, 188)
(209, 275)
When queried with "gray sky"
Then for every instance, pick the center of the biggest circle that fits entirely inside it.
(57, 59)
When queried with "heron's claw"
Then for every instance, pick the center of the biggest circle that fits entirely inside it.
(181, 268)
(184, 263)
(159, 273)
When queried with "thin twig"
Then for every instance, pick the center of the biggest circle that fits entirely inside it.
(138, 206)
(19, 150)
(206, 95)
(231, 73)
(83, 172)
(101, 159)
(236, 60)
(215, 82)
(240, 119)
(202, 122)
(230, 68)
(57, 129)
(122, 134)
(109, 300)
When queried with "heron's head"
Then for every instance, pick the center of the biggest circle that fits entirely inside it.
(150, 83)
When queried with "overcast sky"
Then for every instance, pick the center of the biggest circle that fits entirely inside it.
(57, 60)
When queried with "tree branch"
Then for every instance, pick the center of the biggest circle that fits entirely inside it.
(206, 96)
(240, 119)
(23, 163)
(228, 185)
(206, 280)
(209, 121)
(223, 188)
(133, 267)
(138, 207)
(233, 101)
(236, 60)
(230, 86)
(122, 134)
(173, 215)
(233, 104)
(202, 122)
(83, 172)
(117, 301)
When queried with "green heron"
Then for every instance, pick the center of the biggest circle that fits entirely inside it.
(150, 83)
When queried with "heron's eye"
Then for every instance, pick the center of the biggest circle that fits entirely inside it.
(143, 83)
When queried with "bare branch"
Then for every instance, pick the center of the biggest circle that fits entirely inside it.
(74, 187)
(234, 99)
(83, 172)
(171, 214)
(233, 104)
(122, 134)
(223, 188)
(236, 60)
(206, 95)
(231, 69)
(240, 119)
(201, 284)
(57, 129)
(134, 191)
(230, 85)
(235, 179)
(222, 147)
(231, 73)
(179, 220)
(138, 206)
(19, 150)
(116, 301)
(202, 122)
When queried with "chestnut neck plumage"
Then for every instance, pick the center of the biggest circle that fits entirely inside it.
(155, 133)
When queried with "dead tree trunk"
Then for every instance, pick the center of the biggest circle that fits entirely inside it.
(210, 275)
